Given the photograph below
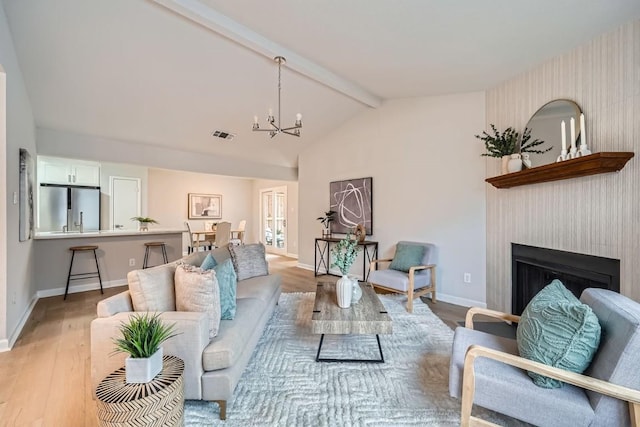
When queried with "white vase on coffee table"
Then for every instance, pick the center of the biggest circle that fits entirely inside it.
(344, 291)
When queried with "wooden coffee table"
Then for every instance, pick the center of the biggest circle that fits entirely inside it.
(368, 316)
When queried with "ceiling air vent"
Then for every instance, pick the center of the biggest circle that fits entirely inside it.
(222, 134)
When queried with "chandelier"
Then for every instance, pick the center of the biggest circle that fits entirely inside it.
(277, 128)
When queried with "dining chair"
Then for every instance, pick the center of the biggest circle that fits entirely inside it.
(223, 234)
(194, 240)
(238, 239)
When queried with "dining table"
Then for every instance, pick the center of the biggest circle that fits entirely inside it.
(210, 236)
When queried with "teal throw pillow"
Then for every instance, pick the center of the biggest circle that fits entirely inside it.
(558, 330)
(406, 257)
(227, 282)
(208, 263)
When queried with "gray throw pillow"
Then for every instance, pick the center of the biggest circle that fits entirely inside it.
(249, 260)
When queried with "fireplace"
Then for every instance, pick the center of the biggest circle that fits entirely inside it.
(533, 268)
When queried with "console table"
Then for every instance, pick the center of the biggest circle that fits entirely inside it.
(322, 255)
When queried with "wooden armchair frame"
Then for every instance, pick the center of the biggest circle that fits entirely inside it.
(468, 382)
(411, 294)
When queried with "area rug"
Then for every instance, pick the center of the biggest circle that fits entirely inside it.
(283, 385)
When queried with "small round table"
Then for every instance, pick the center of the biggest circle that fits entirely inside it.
(157, 403)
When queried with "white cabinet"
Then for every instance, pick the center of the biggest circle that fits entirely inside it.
(55, 170)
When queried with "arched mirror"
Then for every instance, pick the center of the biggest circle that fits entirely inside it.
(545, 125)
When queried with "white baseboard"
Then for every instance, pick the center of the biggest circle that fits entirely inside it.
(464, 302)
(81, 288)
(294, 256)
(306, 267)
(4, 345)
(23, 320)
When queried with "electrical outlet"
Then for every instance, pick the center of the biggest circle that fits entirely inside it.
(467, 277)
(132, 262)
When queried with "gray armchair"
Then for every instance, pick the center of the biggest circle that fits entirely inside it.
(487, 370)
(419, 280)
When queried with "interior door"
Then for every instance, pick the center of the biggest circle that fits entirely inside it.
(125, 202)
(273, 221)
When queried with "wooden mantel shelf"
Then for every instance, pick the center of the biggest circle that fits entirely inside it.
(582, 166)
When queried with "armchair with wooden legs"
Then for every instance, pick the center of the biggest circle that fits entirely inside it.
(487, 370)
(418, 279)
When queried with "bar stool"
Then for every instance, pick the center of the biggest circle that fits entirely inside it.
(88, 275)
(150, 245)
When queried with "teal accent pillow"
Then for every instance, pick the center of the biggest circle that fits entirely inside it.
(208, 263)
(227, 282)
(406, 257)
(558, 330)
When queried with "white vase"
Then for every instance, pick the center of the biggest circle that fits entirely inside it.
(356, 294)
(515, 163)
(344, 291)
(504, 166)
(143, 370)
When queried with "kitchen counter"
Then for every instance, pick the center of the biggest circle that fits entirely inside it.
(48, 235)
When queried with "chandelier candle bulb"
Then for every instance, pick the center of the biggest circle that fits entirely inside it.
(255, 119)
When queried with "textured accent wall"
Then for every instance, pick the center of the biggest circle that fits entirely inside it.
(596, 215)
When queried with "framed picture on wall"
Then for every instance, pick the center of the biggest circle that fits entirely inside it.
(205, 206)
(352, 199)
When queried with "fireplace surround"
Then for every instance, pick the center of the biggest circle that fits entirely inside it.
(532, 268)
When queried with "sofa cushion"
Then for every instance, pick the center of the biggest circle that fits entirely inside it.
(397, 280)
(249, 260)
(151, 289)
(197, 290)
(407, 256)
(262, 287)
(227, 281)
(558, 330)
(223, 351)
(197, 258)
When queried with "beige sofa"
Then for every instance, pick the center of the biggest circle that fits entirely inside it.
(212, 367)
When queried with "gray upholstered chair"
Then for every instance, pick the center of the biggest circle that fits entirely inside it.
(486, 370)
(419, 280)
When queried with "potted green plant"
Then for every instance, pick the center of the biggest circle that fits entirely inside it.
(143, 222)
(326, 222)
(141, 337)
(501, 145)
(344, 254)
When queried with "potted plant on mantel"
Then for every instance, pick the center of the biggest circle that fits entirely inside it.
(141, 339)
(143, 222)
(500, 144)
(326, 222)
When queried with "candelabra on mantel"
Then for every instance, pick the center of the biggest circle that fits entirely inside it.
(277, 128)
(574, 152)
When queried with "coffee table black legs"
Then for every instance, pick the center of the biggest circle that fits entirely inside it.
(321, 359)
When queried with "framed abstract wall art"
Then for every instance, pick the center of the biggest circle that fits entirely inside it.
(205, 206)
(353, 202)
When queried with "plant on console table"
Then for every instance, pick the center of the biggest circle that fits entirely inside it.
(344, 254)
(141, 339)
(143, 222)
(326, 222)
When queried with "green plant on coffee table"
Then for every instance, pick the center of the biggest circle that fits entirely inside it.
(344, 254)
(526, 146)
(144, 219)
(499, 144)
(142, 335)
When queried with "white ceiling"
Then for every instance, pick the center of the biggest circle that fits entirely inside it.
(137, 71)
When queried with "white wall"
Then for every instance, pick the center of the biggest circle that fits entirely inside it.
(292, 212)
(168, 191)
(595, 215)
(17, 285)
(428, 183)
(107, 170)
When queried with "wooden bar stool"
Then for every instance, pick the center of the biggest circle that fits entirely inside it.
(150, 245)
(88, 275)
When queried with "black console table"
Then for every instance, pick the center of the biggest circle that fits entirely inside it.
(322, 255)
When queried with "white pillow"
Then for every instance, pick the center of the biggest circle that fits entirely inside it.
(151, 289)
(197, 290)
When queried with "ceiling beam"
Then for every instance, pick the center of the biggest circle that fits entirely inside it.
(227, 27)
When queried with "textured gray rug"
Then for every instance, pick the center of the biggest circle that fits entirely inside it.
(284, 386)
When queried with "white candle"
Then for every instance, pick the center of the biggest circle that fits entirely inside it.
(573, 132)
(564, 136)
(583, 131)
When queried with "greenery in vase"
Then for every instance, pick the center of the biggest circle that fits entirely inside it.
(142, 335)
(327, 218)
(499, 144)
(344, 254)
(144, 219)
(526, 146)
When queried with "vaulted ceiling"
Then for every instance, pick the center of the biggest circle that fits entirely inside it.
(169, 72)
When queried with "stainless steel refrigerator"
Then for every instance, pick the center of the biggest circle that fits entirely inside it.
(60, 208)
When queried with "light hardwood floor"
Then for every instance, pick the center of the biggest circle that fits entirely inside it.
(45, 379)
